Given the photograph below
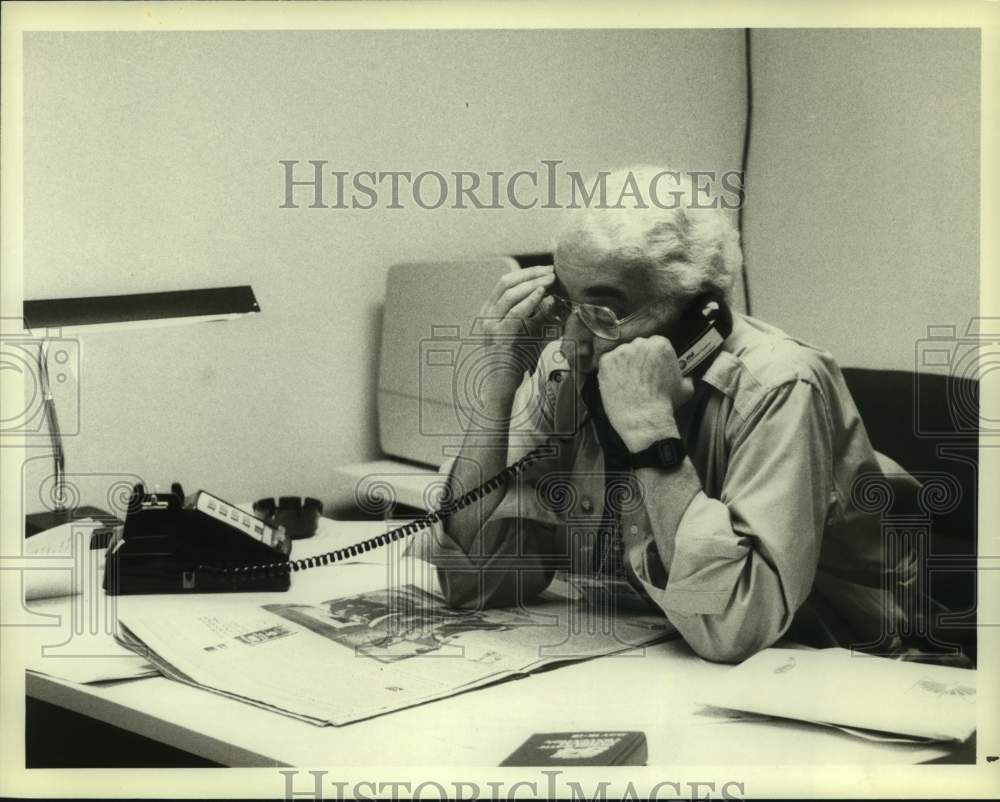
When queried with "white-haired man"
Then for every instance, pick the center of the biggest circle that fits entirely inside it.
(745, 530)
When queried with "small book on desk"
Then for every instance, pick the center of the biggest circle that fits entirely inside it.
(584, 748)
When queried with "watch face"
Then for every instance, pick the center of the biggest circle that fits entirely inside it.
(670, 452)
(664, 454)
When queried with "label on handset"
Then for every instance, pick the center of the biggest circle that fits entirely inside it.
(702, 348)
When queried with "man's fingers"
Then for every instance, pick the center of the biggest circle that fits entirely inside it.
(546, 307)
(661, 342)
(513, 296)
(519, 276)
(527, 307)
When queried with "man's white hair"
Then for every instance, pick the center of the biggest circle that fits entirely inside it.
(688, 248)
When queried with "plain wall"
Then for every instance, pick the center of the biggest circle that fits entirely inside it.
(862, 222)
(152, 163)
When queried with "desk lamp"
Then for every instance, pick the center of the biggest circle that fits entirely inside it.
(111, 312)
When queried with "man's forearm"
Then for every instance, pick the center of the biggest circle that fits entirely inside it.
(483, 455)
(667, 494)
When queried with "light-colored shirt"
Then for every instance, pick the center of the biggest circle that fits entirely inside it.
(755, 536)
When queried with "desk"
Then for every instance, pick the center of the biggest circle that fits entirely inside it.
(650, 692)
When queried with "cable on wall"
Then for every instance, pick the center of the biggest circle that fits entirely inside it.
(743, 164)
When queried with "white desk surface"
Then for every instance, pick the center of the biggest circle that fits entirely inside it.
(654, 692)
(410, 483)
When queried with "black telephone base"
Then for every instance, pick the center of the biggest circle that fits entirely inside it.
(165, 547)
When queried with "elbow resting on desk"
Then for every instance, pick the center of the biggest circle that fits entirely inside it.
(476, 589)
(722, 640)
(725, 596)
(510, 572)
(729, 628)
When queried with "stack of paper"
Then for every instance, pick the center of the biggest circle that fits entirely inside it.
(59, 542)
(851, 690)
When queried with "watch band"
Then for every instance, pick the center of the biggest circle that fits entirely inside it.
(667, 454)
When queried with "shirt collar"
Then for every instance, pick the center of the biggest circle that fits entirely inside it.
(722, 373)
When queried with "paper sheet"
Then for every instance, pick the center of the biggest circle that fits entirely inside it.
(56, 542)
(838, 687)
(88, 654)
(86, 670)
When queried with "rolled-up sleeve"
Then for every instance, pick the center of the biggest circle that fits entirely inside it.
(731, 572)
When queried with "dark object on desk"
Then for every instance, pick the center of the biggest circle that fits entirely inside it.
(99, 539)
(41, 521)
(299, 516)
(961, 754)
(581, 749)
(929, 424)
(167, 548)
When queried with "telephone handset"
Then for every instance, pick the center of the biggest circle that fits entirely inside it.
(700, 332)
(168, 547)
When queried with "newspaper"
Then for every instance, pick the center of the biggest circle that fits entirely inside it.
(354, 657)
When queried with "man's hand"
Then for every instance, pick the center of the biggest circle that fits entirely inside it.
(641, 386)
(515, 310)
(517, 306)
(512, 320)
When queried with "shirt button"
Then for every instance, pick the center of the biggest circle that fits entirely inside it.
(587, 505)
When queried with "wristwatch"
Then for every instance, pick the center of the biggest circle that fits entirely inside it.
(668, 454)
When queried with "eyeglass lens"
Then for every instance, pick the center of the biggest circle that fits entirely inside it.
(599, 319)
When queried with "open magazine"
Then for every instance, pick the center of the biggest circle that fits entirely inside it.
(353, 657)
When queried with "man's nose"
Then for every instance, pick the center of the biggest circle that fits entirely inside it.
(578, 340)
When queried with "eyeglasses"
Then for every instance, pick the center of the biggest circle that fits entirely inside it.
(599, 319)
